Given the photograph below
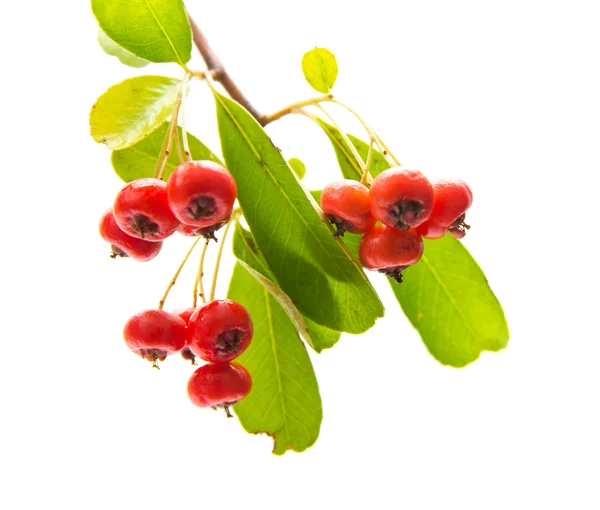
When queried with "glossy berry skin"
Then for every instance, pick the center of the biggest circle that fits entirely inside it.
(390, 250)
(219, 385)
(401, 198)
(451, 201)
(346, 204)
(201, 193)
(206, 232)
(142, 210)
(220, 331)
(185, 313)
(124, 245)
(154, 334)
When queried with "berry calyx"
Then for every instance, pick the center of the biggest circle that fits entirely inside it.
(401, 198)
(142, 210)
(206, 232)
(201, 193)
(219, 385)
(124, 245)
(220, 331)
(185, 313)
(389, 250)
(154, 334)
(346, 204)
(451, 201)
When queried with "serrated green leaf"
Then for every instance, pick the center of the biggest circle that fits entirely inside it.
(132, 109)
(139, 160)
(155, 30)
(111, 48)
(246, 251)
(311, 267)
(320, 69)
(298, 167)
(448, 300)
(284, 401)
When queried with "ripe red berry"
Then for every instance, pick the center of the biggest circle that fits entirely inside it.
(346, 204)
(451, 201)
(154, 334)
(220, 331)
(201, 193)
(390, 250)
(401, 198)
(219, 385)
(185, 313)
(207, 232)
(142, 210)
(124, 245)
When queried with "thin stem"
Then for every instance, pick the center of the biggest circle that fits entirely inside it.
(184, 135)
(161, 155)
(161, 303)
(178, 144)
(213, 287)
(294, 106)
(363, 178)
(199, 284)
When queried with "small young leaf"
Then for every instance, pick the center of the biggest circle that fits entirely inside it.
(311, 267)
(298, 167)
(155, 30)
(320, 69)
(246, 251)
(139, 160)
(284, 401)
(449, 301)
(132, 109)
(114, 50)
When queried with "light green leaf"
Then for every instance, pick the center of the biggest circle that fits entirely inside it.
(155, 30)
(139, 160)
(449, 301)
(284, 401)
(320, 69)
(114, 50)
(312, 268)
(246, 251)
(132, 109)
(298, 167)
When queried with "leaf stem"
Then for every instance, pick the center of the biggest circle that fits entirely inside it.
(199, 283)
(213, 287)
(161, 303)
(364, 176)
(294, 106)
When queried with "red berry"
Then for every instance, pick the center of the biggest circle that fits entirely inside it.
(219, 385)
(390, 250)
(185, 313)
(201, 193)
(142, 210)
(220, 331)
(451, 201)
(207, 232)
(124, 245)
(154, 334)
(401, 198)
(346, 204)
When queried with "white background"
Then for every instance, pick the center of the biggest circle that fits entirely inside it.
(503, 94)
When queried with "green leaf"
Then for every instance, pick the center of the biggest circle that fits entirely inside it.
(139, 160)
(320, 69)
(132, 109)
(448, 300)
(155, 30)
(114, 50)
(284, 401)
(298, 167)
(346, 160)
(312, 268)
(246, 250)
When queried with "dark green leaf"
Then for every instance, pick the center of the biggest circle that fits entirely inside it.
(320, 69)
(246, 250)
(114, 50)
(298, 167)
(155, 30)
(139, 160)
(312, 268)
(132, 109)
(448, 300)
(284, 401)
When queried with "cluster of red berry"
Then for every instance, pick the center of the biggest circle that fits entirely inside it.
(409, 208)
(196, 200)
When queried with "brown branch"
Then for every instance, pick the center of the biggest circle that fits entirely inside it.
(215, 65)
